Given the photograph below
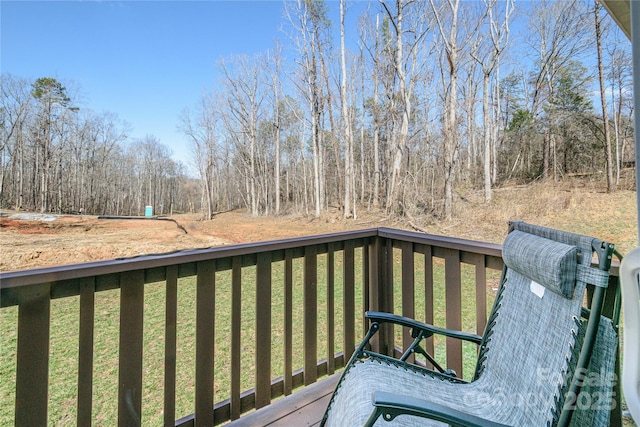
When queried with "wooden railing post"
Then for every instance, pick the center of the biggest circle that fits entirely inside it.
(85, 350)
(205, 329)
(236, 335)
(428, 296)
(263, 330)
(453, 298)
(375, 282)
(349, 299)
(131, 341)
(32, 371)
(170, 345)
(481, 291)
(288, 322)
(331, 309)
(387, 335)
(310, 314)
(366, 284)
(380, 284)
(408, 291)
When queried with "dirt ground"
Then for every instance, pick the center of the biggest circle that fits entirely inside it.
(34, 240)
(29, 240)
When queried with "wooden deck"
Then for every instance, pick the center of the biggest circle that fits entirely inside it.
(302, 408)
(261, 275)
(347, 273)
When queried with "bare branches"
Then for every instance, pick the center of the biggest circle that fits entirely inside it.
(308, 128)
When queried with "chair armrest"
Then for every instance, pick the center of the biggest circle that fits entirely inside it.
(376, 316)
(391, 405)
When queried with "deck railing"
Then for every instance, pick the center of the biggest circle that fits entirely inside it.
(280, 315)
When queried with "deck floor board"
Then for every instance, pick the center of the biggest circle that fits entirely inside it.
(304, 407)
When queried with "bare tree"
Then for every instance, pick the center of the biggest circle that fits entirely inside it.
(406, 66)
(373, 104)
(611, 187)
(244, 102)
(308, 18)
(272, 136)
(201, 131)
(276, 86)
(376, 125)
(16, 108)
(558, 35)
(489, 58)
(55, 157)
(346, 119)
(619, 75)
(450, 30)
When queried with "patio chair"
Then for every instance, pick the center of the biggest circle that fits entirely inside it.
(544, 359)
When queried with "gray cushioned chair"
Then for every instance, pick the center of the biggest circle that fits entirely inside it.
(544, 359)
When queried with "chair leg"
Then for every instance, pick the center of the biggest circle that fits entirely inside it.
(373, 417)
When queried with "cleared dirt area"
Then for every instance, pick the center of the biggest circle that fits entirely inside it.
(33, 240)
(30, 240)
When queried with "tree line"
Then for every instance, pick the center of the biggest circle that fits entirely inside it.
(401, 111)
(57, 157)
(430, 97)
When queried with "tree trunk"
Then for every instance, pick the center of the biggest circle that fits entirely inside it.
(545, 155)
(376, 128)
(450, 131)
(611, 187)
(487, 137)
(401, 139)
(348, 136)
(316, 158)
(450, 139)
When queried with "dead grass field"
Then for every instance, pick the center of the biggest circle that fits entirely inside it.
(573, 206)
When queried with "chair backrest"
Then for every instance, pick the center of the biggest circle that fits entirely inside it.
(534, 335)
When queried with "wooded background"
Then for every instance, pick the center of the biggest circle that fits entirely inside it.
(419, 101)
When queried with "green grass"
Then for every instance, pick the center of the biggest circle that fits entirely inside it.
(65, 330)
(8, 347)
(468, 298)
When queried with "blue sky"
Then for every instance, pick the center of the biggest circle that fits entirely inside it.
(143, 60)
(146, 61)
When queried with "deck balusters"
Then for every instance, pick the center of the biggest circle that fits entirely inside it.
(85, 350)
(365, 286)
(32, 371)
(331, 312)
(348, 309)
(205, 330)
(310, 314)
(236, 334)
(263, 330)
(171, 316)
(288, 322)
(131, 334)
